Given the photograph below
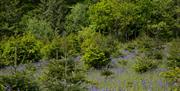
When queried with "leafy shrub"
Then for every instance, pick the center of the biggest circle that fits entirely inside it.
(77, 18)
(40, 28)
(61, 46)
(64, 74)
(123, 62)
(96, 50)
(154, 54)
(174, 54)
(1, 61)
(111, 16)
(142, 44)
(101, 18)
(86, 39)
(72, 44)
(149, 47)
(95, 57)
(144, 64)
(18, 82)
(106, 73)
(128, 20)
(53, 49)
(21, 50)
(157, 18)
(173, 75)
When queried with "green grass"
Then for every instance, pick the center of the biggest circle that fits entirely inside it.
(129, 80)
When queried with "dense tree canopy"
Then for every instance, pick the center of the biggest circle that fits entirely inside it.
(122, 18)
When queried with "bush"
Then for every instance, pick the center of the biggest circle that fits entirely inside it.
(174, 54)
(144, 64)
(53, 49)
(142, 43)
(151, 48)
(1, 61)
(64, 74)
(61, 46)
(77, 18)
(18, 82)
(86, 39)
(107, 73)
(101, 17)
(40, 28)
(72, 44)
(95, 57)
(157, 17)
(173, 76)
(123, 62)
(96, 50)
(21, 50)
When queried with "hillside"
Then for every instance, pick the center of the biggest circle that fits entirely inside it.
(90, 45)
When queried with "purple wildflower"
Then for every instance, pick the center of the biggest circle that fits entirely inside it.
(160, 83)
(144, 84)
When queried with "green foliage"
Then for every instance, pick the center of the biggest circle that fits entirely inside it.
(127, 20)
(61, 46)
(77, 18)
(111, 16)
(11, 12)
(21, 50)
(40, 28)
(123, 62)
(86, 39)
(95, 57)
(54, 12)
(18, 82)
(96, 49)
(53, 49)
(73, 44)
(107, 73)
(158, 17)
(64, 74)
(1, 61)
(101, 19)
(146, 43)
(91, 28)
(174, 54)
(173, 75)
(149, 47)
(143, 64)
